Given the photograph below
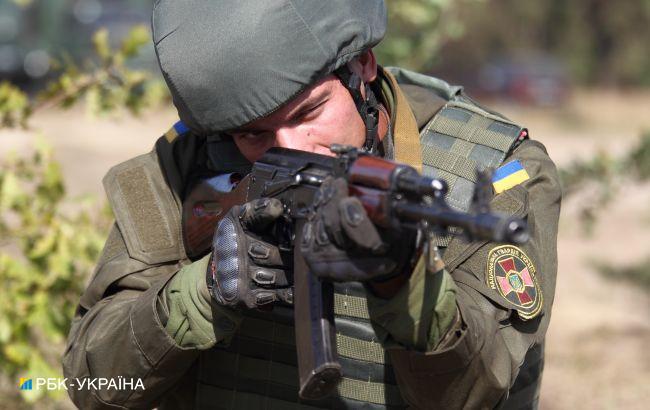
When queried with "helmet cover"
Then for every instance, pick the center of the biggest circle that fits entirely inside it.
(230, 62)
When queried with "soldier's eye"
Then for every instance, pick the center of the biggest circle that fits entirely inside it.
(310, 111)
(249, 136)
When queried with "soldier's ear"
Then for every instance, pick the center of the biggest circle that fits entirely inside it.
(365, 64)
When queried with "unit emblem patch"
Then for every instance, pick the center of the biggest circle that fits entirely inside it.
(512, 274)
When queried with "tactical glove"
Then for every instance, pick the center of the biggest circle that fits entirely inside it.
(340, 242)
(246, 268)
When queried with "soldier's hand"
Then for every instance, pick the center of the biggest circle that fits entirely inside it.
(246, 267)
(340, 242)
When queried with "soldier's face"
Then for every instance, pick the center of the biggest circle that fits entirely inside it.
(322, 115)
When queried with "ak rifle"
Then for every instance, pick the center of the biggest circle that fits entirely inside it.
(394, 195)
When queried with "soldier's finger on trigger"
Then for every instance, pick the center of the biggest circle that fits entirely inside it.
(358, 227)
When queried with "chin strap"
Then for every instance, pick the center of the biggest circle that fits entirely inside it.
(368, 108)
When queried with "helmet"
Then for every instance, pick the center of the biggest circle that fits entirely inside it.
(230, 62)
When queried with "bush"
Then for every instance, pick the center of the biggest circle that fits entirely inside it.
(604, 173)
(49, 244)
(49, 247)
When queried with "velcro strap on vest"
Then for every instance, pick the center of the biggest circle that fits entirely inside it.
(145, 210)
(353, 306)
(363, 391)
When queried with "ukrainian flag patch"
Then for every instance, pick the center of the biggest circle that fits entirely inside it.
(509, 175)
(178, 129)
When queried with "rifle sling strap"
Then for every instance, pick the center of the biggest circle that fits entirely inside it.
(405, 131)
(460, 139)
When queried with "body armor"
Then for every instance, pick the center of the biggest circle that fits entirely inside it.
(258, 369)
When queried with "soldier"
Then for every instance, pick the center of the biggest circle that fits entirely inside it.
(246, 76)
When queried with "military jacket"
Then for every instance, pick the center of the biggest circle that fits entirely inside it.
(492, 357)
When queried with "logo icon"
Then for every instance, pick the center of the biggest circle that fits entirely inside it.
(25, 383)
(512, 274)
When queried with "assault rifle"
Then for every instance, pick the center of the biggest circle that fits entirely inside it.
(393, 195)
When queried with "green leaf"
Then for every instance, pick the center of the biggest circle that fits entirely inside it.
(101, 44)
(11, 192)
(14, 105)
(18, 353)
(53, 180)
(638, 160)
(44, 244)
(135, 40)
(5, 330)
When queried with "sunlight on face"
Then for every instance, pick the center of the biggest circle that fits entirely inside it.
(322, 115)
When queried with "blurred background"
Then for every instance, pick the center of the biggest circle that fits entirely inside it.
(80, 92)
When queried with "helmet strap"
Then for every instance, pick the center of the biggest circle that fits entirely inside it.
(367, 107)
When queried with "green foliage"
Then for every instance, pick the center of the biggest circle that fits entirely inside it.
(601, 172)
(602, 42)
(416, 31)
(49, 244)
(638, 160)
(106, 82)
(638, 274)
(22, 3)
(49, 247)
(603, 168)
(14, 106)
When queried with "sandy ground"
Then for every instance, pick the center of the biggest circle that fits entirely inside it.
(597, 349)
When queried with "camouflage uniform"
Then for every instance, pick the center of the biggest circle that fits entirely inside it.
(492, 355)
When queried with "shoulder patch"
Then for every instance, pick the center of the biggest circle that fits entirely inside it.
(511, 273)
(509, 175)
(145, 210)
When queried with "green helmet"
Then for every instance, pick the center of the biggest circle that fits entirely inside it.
(230, 62)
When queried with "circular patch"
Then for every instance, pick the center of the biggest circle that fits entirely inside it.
(512, 274)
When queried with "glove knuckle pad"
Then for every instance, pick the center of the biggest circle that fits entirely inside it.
(263, 277)
(226, 254)
(258, 250)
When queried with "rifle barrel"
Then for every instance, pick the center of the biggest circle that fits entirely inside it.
(484, 226)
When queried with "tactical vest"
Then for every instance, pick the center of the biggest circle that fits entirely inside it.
(258, 369)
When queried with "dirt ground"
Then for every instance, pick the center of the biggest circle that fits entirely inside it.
(597, 346)
(597, 349)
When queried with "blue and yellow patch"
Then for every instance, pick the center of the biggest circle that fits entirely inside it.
(178, 129)
(509, 175)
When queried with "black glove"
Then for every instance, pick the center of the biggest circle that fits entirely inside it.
(340, 242)
(246, 268)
